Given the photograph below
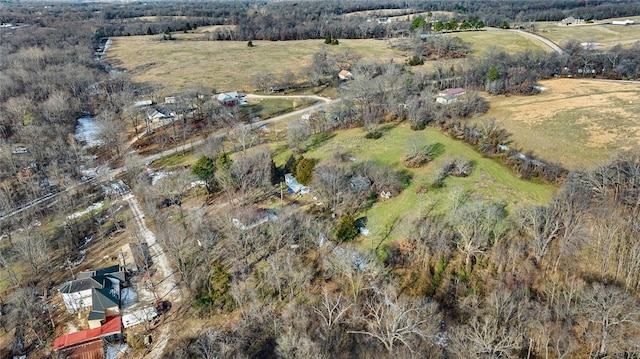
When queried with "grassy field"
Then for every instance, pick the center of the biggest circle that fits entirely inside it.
(490, 180)
(229, 65)
(604, 35)
(580, 123)
(225, 65)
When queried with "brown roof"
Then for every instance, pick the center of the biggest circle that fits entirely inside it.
(90, 350)
(452, 92)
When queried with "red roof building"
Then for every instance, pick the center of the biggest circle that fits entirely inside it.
(452, 92)
(111, 327)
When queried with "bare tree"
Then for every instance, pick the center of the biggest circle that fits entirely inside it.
(298, 132)
(612, 313)
(397, 322)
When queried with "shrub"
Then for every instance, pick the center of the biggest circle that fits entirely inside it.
(415, 61)
(346, 230)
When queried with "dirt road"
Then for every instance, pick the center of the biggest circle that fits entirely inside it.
(164, 281)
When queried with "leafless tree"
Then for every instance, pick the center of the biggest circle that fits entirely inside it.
(612, 313)
(292, 345)
(298, 132)
(397, 322)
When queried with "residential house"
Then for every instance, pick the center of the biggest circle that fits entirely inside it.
(77, 294)
(104, 303)
(89, 344)
(230, 99)
(571, 21)
(251, 217)
(293, 186)
(345, 75)
(156, 114)
(449, 96)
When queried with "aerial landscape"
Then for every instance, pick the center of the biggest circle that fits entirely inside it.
(319, 179)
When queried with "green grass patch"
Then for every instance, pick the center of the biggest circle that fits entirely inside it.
(489, 180)
(178, 159)
(603, 35)
(265, 108)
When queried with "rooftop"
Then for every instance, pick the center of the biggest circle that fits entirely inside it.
(113, 325)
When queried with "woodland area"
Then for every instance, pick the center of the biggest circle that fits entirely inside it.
(482, 280)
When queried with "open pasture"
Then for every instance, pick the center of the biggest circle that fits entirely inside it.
(489, 180)
(602, 33)
(225, 65)
(229, 65)
(580, 123)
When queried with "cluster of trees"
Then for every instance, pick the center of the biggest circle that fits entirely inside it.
(558, 279)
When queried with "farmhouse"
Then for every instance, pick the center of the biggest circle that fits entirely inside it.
(345, 75)
(230, 99)
(571, 21)
(449, 96)
(78, 294)
(144, 103)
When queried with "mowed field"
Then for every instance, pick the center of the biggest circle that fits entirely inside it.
(605, 36)
(579, 123)
(229, 65)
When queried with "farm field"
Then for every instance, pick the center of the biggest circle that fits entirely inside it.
(225, 65)
(229, 65)
(602, 33)
(580, 123)
(489, 180)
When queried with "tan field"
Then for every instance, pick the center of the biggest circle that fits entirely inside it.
(225, 65)
(602, 33)
(579, 123)
(229, 65)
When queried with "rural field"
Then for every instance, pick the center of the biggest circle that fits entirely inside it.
(580, 123)
(225, 65)
(229, 65)
(605, 36)
(490, 180)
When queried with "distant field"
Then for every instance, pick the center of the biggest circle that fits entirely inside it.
(580, 123)
(225, 65)
(229, 65)
(490, 180)
(604, 35)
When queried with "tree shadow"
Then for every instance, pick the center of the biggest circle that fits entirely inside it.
(317, 141)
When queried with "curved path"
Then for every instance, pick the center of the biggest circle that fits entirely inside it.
(544, 40)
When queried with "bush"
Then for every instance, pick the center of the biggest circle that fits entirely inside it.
(347, 230)
(373, 135)
(415, 61)
(304, 170)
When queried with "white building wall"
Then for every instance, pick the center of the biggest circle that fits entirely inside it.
(77, 301)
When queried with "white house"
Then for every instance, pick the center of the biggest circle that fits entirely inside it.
(448, 96)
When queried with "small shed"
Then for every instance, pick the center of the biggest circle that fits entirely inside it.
(345, 75)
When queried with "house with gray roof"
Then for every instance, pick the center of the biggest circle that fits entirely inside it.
(77, 294)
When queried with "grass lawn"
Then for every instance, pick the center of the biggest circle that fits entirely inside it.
(579, 123)
(604, 35)
(265, 108)
(490, 180)
(508, 41)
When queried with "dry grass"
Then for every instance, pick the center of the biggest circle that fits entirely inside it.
(225, 65)
(604, 35)
(229, 65)
(578, 122)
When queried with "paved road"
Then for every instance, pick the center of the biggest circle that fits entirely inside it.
(544, 40)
